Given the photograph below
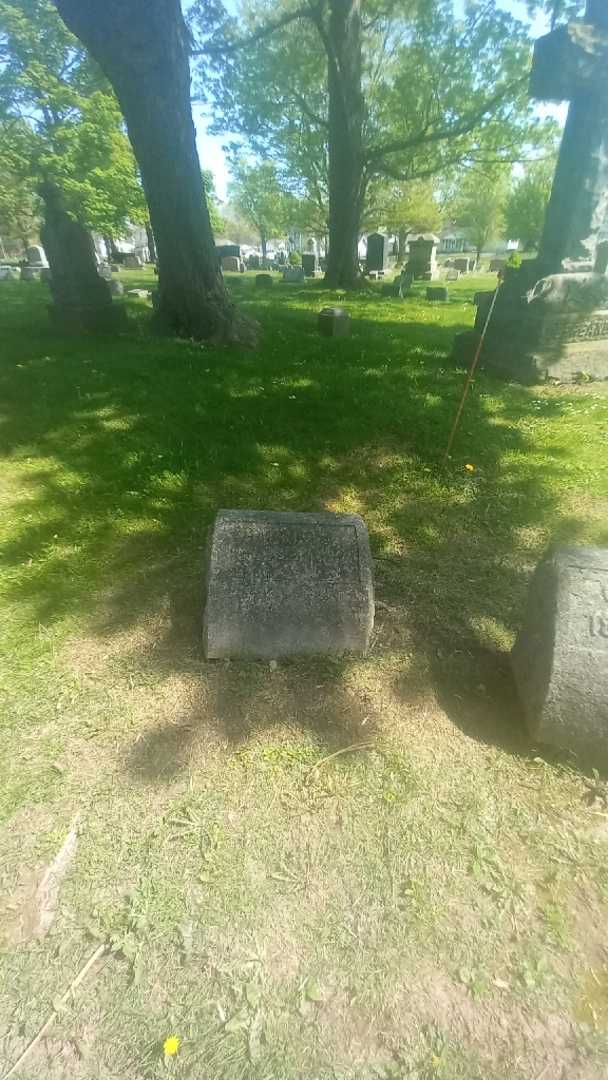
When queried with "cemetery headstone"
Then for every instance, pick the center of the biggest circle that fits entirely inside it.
(263, 281)
(132, 261)
(253, 262)
(497, 265)
(139, 294)
(286, 584)
(377, 253)
(334, 322)
(404, 283)
(224, 250)
(530, 337)
(35, 256)
(462, 265)
(105, 271)
(422, 261)
(30, 273)
(560, 658)
(452, 275)
(310, 263)
(231, 263)
(117, 288)
(9, 273)
(437, 292)
(294, 275)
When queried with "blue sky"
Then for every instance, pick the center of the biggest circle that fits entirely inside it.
(210, 146)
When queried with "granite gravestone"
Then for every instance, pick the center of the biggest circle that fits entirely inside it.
(334, 322)
(226, 250)
(35, 256)
(529, 338)
(462, 265)
(253, 262)
(294, 275)
(377, 253)
(422, 261)
(9, 273)
(132, 261)
(497, 265)
(560, 659)
(264, 281)
(284, 584)
(310, 263)
(437, 292)
(231, 263)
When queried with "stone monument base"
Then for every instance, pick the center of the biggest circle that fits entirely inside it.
(557, 329)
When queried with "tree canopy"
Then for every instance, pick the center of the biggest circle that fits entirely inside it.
(255, 193)
(527, 203)
(62, 123)
(436, 91)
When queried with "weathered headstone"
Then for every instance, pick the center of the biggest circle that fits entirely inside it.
(231, 263)
(294, 275)
(132, 261)
(437, 292)
(334, 322)
(263, 281)
(310, 263)
(377, 253)
(9, 273)
(81, 298)
(224, 250)
(462, 265)
(253, 262)
(497, 265)
(117, 288)
(30, 273)
(105, 271)
(404, 283)
(529, 337)
(35, 256)
(560, 659)
(452, 275)
(139, 294)
(285, 584)
(422, 261)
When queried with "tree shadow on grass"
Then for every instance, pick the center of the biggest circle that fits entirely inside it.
(127, 447)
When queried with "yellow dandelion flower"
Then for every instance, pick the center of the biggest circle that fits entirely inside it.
(171, 1045)
(470, 468)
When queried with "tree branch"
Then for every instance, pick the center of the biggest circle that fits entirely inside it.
(463, 127)
(262, 32)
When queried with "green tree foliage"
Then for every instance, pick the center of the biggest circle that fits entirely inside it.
(256, 193)
(215, 216)
(526, 205)
(75, 137)
(19, 203)
(478, 204)
(433, 92)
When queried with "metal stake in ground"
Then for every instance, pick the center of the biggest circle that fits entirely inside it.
(469, 380)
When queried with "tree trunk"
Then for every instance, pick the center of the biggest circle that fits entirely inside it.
(142, 46)
(345, 115)
(402, 244)
(111, 248)
(263, 242)
(151, 242)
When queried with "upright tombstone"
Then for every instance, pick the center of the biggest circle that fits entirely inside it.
(310, 263)
(253, 262)
(334, 322)
(35, 255)
(531, 336)
(462, 265)
(231, 264)
(560, 659)
(284, 584)
(227, 250)
(294, 275)
(377, 253)
(422, 261)
(132, 261)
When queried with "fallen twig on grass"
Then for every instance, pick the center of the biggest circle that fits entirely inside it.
(369, 744)
(62, 1001)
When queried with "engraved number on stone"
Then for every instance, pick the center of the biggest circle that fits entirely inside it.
(598, 625)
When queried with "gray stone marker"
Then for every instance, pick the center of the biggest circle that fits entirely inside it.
(334, 322)
(284, 584)
(231, 263)
(35, 255)
(437, 292)
(9, 273)
(422, 261)
(132, 261)
(560, 659)
(294, 275)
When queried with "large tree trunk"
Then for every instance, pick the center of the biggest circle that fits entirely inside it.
(402, 244)
(142, 46)
(345, 115)
(264, 243)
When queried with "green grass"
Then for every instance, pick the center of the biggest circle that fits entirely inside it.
(430, 906)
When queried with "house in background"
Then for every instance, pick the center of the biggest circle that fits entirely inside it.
(453, 240)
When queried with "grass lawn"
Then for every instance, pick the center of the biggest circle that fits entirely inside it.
(432, 905)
